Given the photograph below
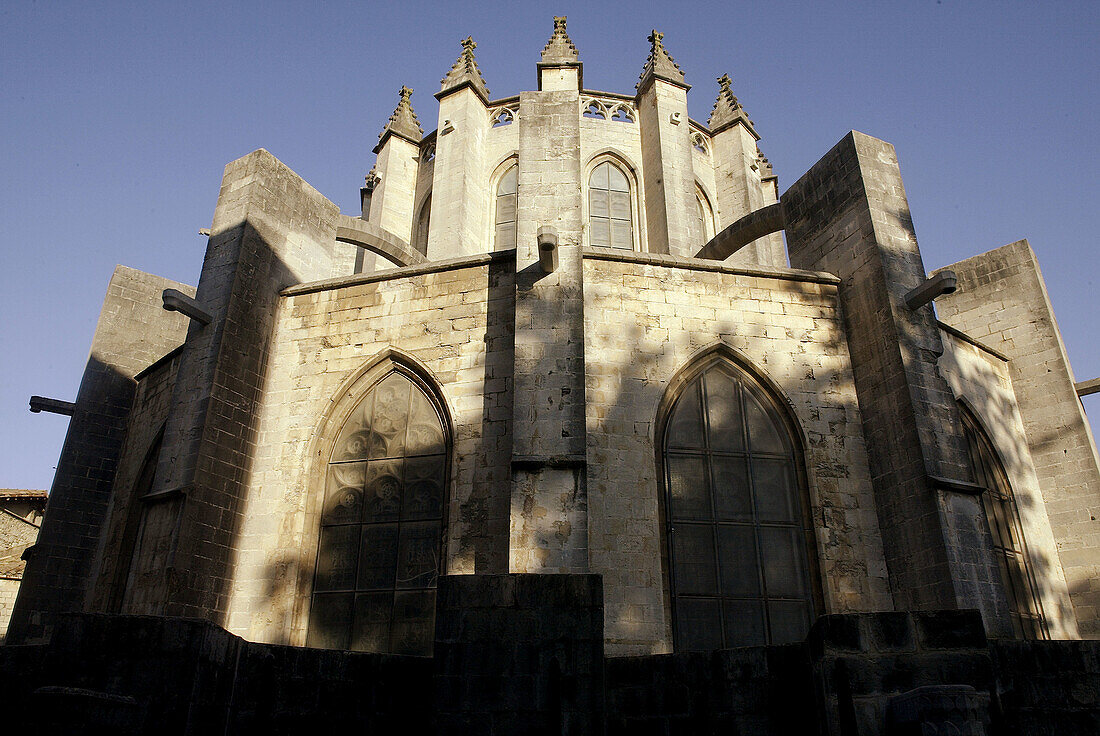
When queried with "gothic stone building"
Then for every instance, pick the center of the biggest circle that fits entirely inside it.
(564, 421)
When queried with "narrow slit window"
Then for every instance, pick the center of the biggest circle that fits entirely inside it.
(504, 233)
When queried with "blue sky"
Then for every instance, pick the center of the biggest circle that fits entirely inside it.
(117, 119)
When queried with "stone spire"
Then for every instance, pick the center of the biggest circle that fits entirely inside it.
(727, 110)
(660, 65)
(559, 49)
(465, 71)
(403, 122)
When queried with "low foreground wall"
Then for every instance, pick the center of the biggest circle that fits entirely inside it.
(523, 654)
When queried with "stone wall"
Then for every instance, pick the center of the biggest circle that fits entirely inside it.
(133, 331)
(1002, 301)
(981, 379)
(451, 318)
(646, 318)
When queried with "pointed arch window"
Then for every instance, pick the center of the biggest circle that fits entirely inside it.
(738, 536)
(423, 221)
(1009, 548)
(705, 214)
(382, 523)
(610, 215)
(504, 218)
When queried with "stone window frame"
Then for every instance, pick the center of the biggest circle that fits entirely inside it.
(631, 172)
(422, 224)
(991, 472)
(499, 171)
(710, 223)
(684, 377)
(325, 435)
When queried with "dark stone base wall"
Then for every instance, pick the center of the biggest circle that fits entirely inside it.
(522, 654)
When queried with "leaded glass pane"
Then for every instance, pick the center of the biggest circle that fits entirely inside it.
(599, 232)
(599, 180)
(388, 420)
(413, 622)
(507, 184)
(423, 488)
(724, 411)
(337, 558)
(328, 620)
(425, 433)
(788, 621)
(621, 235)
(694, 558)
(698, 624)
(344, 494)
(370, 631)
(418, 555)
(353, 442)
(773, 482)
(732, 495)
(616, 179)
(763, 433)
(687, 485)
(784, 569)
(598, 203)
(382, 495)
(377, 557)
(685, 427)
(744, 623)
(739, 566)
(506, 209)
(619, 206)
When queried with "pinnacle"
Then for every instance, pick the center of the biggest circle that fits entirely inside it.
(559, 49)
(465, 70)
(403, 121)
(727, 109)
(660, 64)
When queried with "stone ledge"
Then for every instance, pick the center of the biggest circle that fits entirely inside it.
(392, 274)
(695, 264)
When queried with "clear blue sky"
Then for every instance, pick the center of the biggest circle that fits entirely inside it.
(117, 119)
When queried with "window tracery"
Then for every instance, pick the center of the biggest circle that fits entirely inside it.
(699, 142)
(737, 531)
(501, 116)
(379, 551)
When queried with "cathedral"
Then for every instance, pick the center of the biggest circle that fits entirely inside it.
(585, 425)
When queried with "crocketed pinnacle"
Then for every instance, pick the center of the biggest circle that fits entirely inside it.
(660, 64)
(403, 121)
(465, 71)
(727, 110)
(559, 49)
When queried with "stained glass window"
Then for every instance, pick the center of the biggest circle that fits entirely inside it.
(609, 208)
(381, 525)
(1009, 549)
(504, 234)
(737, 531)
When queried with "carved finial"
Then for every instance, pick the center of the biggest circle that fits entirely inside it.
(764, 164)
(559, 49)
(371, 180)
(659, 64)
(403, 121)
(727, 109)
(465, 71)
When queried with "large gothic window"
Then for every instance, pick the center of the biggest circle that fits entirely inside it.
(737, 528)
(610, 220)
(381, 524)
(504, 225)
(1009, 548)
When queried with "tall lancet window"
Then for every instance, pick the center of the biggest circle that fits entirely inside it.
(610, 221)
(738, 532)
(381, 524)
(1008, 537)
(504, 234)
